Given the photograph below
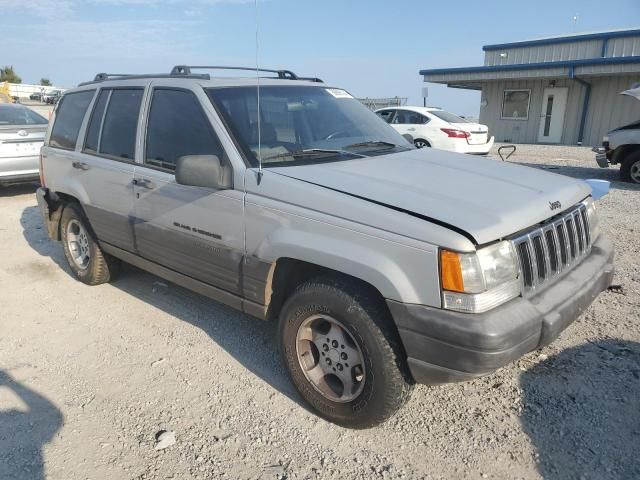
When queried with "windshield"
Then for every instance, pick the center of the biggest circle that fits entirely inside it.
(448, 117)
(299, 124)
(17, 115)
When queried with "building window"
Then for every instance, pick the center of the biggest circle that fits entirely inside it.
(515, 104)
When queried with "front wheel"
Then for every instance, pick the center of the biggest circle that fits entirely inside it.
(630, 168)
(342, 354)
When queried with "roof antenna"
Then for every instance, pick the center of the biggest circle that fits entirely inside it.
(255, 4)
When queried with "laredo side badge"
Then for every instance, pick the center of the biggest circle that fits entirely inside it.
(338, 93)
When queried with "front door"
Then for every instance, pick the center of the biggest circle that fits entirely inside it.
(554, 103)
(196, 231)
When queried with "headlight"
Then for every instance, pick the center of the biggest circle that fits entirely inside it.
(477, 282)
(592, 218)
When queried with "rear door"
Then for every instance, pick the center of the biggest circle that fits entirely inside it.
(196, 231)
(409, 122)
(106, 164)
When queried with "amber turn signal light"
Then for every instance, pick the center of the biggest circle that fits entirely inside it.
(451, 271)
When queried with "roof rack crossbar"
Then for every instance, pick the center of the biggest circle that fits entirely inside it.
(282, 74)
(186, 70)
(101, 77)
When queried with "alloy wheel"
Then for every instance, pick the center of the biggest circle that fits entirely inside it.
(78, 244)
(330, 358)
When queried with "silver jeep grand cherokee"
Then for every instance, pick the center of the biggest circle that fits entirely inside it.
(287, 199)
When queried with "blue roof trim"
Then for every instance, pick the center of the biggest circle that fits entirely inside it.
(533, 66)
(565, 39)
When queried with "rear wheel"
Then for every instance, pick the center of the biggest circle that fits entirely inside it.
(343, 355)
(419, 143)
(630, 168)
(85, 257)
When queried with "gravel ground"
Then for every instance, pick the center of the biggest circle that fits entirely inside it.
(90, 375)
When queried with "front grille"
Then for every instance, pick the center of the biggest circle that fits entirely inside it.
(555, 246)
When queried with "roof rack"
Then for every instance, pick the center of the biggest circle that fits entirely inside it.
(101, 77)
(282, 74)
(184, 71)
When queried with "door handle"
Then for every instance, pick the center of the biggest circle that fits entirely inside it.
(411, 129)
(144, 183)
(80, 165)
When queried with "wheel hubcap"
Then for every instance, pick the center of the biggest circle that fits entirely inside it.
(78, 243)
(635, 172)
(330, 358)
(420, 144)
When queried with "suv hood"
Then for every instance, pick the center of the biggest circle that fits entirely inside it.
(488, 199)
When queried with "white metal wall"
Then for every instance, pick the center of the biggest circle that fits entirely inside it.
(623, 47)
(616, 47)
(607, 109)
(545, 53)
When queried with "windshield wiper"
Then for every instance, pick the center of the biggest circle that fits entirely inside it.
(311, 152)
(372, 143)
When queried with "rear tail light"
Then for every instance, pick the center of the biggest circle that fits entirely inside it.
(453, 133)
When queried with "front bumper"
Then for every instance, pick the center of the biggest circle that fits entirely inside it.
(603, 155)
(445, 346)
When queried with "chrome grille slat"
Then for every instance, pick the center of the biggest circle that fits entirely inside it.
(534, 260)
(565, 238)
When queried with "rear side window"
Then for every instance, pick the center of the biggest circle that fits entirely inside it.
(93, 131)
(69, 116)
(448, 117)
(177, 127)
(407, 117)
(386, 115)
(120, 124)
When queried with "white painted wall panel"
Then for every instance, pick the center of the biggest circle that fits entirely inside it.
(545, 53)
(607, 109)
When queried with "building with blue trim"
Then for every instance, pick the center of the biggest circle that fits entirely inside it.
(558, 90)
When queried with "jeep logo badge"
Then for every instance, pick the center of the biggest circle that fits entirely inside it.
(555, 205)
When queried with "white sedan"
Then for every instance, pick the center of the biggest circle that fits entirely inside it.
(434, 127)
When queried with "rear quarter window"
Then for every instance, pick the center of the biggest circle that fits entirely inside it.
(69, 116)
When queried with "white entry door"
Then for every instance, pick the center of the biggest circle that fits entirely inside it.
(554, 103)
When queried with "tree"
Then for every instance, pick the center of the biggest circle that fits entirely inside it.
(7, 74)
(45, 82)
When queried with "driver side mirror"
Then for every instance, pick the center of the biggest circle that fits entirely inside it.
(203, 171)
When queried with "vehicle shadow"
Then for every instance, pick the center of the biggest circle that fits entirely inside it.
(20, 189)
(582, 411)
(250, 341)
(24, 431)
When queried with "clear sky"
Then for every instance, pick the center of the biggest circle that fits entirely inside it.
(372, 48)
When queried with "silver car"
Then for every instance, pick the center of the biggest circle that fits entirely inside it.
(384, 265)
(21, 135)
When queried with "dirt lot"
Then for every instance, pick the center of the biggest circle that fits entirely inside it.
(89, 375)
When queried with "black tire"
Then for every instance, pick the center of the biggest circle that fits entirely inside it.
(100, 268)
(420, 143)
(630, 168)
(387, 384)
